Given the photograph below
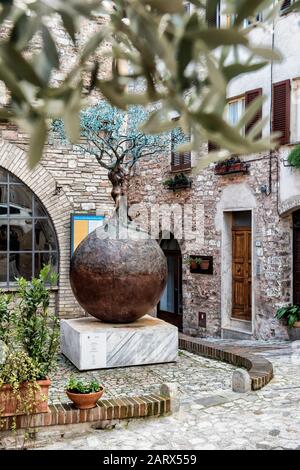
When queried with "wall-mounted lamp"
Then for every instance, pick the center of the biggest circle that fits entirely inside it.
(264, 189)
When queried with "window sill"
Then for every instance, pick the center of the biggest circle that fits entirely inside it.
(5, 289)
(292, 144)
(183, 170)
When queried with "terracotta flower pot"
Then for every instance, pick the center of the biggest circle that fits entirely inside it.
(193, 265)
(294, 332)
(12, 405)
(204, 264)
(235, 167)
(85, 401)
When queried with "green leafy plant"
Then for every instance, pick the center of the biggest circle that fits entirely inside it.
(294, 157)
(78, 386)
(17, 370)
(179, 180)
(6, 319)
(190, 260)
(291, 313)
(38, 330)
(165, 48)
(18, 367)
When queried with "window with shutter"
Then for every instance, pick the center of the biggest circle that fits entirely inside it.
(251, 96)
(180, 160)
(286, 4)
(282, 110)
(235, 109)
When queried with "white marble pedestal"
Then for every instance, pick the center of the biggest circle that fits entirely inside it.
(91, 344)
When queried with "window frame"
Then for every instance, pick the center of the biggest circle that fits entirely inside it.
(284, 10)
(8, 217)
(182, 166)
(237, 99)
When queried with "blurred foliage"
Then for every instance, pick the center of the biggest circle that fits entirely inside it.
(184, 65)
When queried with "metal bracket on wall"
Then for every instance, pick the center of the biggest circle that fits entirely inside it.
(286, 163)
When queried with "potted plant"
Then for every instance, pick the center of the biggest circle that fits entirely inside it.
(84, 394)
(21, 391)
(204, 265)
(294, 157)
(37, 328)
(180, 181)
(193, 261)
(231, 165)
(197, 262)
(30, 339)
(291, 314)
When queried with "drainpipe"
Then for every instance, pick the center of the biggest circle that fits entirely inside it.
(271, 153)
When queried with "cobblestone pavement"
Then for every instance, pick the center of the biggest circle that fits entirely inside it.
(211, 415)
(193, 374)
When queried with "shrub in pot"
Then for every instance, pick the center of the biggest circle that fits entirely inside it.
(180, 180)
(84, 394)
(21, 391)
(294, 157)
(291, 314)
(30, 336)
(38, 330)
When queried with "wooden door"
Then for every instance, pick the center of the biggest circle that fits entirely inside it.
(241, 273)
(296, 258)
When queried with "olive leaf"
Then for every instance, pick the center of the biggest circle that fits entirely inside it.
(50, 48)
(37, 140)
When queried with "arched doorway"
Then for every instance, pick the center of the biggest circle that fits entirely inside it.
(27, 236)
(170, 305)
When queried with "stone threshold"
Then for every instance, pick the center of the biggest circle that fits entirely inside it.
(106, 410)
(259, 368)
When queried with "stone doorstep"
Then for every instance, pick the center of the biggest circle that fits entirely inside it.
(259, 368)
(106, 410)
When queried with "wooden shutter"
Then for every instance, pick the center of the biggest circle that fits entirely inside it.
(250, 96)
(285, 5)
(181, 161)
(282, 110)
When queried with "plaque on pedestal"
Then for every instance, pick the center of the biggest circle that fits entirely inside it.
(91, 344)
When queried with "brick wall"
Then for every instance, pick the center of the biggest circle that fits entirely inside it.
(82, 183)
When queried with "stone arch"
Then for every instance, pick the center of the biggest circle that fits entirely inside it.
(289, 206)
(41, 182)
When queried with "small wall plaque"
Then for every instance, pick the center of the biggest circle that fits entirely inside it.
(201, 264)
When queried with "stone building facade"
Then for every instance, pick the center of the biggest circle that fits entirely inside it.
(65, 182)
(241, 296)
(266, 198)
